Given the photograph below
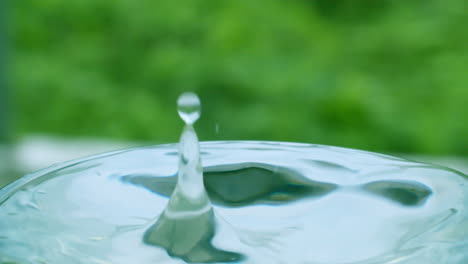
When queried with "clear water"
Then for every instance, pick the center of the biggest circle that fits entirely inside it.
(250, 202)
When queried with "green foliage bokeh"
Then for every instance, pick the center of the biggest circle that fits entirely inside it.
(387, 76)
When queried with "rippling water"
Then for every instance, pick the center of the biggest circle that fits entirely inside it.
(272, 203)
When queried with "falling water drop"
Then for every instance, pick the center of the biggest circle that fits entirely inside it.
(189, 108)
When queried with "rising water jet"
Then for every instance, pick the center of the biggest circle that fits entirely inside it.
(187, 226)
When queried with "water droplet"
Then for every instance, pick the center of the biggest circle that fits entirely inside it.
(189, 108)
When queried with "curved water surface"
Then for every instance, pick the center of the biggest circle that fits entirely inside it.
(273, 202)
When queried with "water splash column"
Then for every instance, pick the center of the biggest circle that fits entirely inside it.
(187, 226)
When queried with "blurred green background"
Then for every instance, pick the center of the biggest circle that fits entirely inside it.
(385, 76)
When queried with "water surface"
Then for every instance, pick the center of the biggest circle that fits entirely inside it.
(267, 202)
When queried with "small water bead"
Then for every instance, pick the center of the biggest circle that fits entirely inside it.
(189, 107)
